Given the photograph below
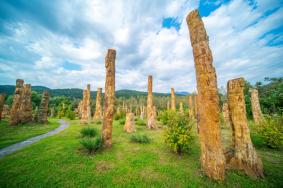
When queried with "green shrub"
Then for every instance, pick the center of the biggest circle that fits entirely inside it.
(165, 116)
(119, 115)
(91, 144)
(140, 122)
(178, 134)
(89, 132)
(142, 139)
(271, 131)
(122, 121)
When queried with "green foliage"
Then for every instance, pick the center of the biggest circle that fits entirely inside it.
(89, 132)
(122, 121)
(165, 115)
(271, 131)
(70, 113)
(140, 138)
(140, 122)
(91, 144)
(119, 115)
(178, 133)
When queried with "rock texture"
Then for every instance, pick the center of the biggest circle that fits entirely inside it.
(130, 123)
(212, 155)
(26, 105)
(43, 108)
(6, 111)
(168, 105)
(256, 110)
(109, 98)
(151, 121)
(225, 111)
(17, 101)
(196, 106)
(98, 111)
(142, 112)
(2, 100)
(173, 100)
(86, 111)
(149, 108)
(244, 155)
(191, 107)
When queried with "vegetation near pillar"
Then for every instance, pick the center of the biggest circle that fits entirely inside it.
(181, 108)
(17, 101)
(212, 156)
(196, 106)
(225, 111)
(2, 100)
(173, 100)
(244, 155)
(191, 108)
(109, 98)
(98, 112)
(130, 123)
(256, 110)
(43, 108)
(149, 109)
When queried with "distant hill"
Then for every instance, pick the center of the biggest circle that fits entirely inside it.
(78, 93)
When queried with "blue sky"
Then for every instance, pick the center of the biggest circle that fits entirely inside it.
(62, 44)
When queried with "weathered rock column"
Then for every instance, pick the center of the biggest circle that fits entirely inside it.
(6, 111)
(181, 108)
(196, 106)
(130, 123)
(256, 110)
(86, 111)
(17, 101)
(191, 108)
(244, 154)
(168, 105)
(2, 100)
(98, 111)
(26, 105)
(109, 98)
(149, 109)
(43, 108)
(225, 111)
(212, 156)
(173, 100)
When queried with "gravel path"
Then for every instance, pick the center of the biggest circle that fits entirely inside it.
(15, 147)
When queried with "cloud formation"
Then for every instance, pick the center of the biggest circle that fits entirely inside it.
(63, 44)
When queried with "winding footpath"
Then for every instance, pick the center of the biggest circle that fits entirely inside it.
(15, 147)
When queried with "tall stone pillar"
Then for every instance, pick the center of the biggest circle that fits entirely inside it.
(244, 155)
(86, 111)
(173, 100)
(43, 108)
(98, 111)
(191, 108)
(17, 101)
(196, 106)
(149, 109)
(212, 156)
(168, 105)
(26, 105)
(109, 98)
(181, 108)
(225, 111)
(2, 101)
(256, 110)
(130, 123)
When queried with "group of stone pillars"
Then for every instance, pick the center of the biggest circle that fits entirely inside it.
(213, 161)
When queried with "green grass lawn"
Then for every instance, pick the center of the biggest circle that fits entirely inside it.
(60, 161)
(12, 134)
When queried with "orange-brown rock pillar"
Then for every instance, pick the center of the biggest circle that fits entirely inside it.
(43, 108)
(212, 156)
(191, 108)
(225, 111)
(109, 98)
(181, 108)
(98, 111)
(173, 100)
(26, 105)
(244, 155)
(2, 101)
(149, 108)
(256, 110)
(17, 101)
(130, 123)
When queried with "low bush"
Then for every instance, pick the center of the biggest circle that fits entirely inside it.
(165, 115)
(89, 132)
(91, 144)
(271, 131)
(142, 139)
(119, 115)
(140, 122)
(122, 121)
(178, 134)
